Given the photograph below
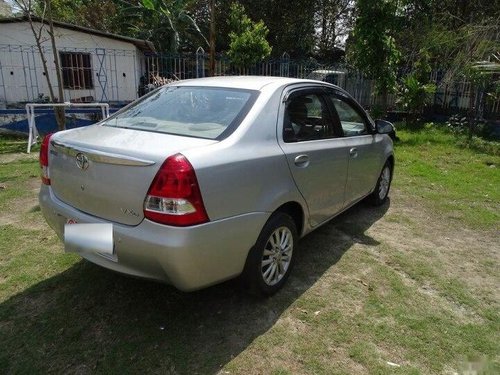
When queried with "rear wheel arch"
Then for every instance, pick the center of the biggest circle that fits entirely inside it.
(290, 211)
(296, 212)
(270, 261)
(392, 163)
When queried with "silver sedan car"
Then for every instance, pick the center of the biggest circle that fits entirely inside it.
(204, 180)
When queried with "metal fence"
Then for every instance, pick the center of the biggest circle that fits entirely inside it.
(186, 66)
(110, 75)
(450, 97)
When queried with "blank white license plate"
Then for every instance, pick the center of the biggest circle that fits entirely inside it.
(95, 238)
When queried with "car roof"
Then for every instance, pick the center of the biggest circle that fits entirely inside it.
(243, 82)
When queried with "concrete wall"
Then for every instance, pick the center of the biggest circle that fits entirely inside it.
(116, 65)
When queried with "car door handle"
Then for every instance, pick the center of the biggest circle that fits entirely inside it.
(353, 152)
(302, 161)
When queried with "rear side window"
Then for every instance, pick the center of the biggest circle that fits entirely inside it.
(307, 118)
(201, 112)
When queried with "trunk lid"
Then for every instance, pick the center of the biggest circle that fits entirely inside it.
(106, 172)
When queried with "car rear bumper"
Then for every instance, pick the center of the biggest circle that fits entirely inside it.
(188, 258)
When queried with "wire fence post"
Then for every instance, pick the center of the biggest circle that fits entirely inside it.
(200, 62)
(285, 65)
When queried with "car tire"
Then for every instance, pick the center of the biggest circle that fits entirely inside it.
(381, 191)
(271, 259)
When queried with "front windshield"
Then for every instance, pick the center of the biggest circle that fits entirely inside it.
(203, 112)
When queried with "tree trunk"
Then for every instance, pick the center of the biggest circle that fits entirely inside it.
(42, 57)
(59, 111)
(212, 39)
(323, 42)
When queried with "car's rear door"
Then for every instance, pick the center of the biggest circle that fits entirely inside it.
(316, 154)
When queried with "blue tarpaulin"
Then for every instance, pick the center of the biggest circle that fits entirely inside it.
(45, 119)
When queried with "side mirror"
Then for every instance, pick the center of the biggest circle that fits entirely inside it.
(385, 127)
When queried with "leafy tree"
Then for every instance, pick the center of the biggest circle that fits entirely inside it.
(5, 9)
(333, 19)
(374, 50)
(461, 36)
(412, 22)
(248, 39)
(206, 12)
(167, 23)
(101, 15)
(290, 23)
(454, 32)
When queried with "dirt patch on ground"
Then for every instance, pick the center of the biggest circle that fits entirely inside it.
(18, 210)
(414, 231)
(9, 158)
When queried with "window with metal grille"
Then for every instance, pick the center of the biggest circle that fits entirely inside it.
(76, 70)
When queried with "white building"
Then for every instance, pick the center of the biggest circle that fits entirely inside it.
(96, 66)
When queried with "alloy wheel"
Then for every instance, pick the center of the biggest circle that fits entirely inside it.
(385, 180)
(277, 256)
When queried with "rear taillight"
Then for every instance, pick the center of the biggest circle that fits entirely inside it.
(44, 159)
(174, 197)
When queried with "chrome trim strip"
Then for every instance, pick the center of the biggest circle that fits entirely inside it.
(101, 157)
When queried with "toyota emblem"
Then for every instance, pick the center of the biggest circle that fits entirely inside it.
(82, 161)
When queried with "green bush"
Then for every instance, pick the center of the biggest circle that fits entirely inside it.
(248, 39)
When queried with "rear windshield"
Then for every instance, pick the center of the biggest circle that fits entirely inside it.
(202, 112)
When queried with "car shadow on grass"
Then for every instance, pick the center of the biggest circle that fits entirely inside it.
(88, 320)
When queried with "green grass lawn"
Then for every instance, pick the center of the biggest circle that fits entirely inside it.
(407, 288)
(461, 183)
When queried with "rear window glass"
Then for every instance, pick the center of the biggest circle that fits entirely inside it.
(202, 112)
